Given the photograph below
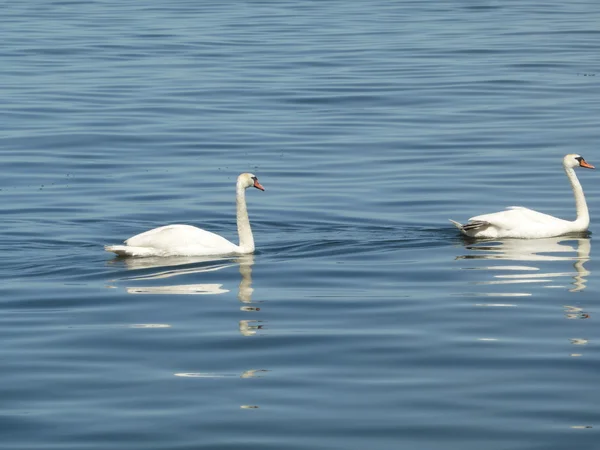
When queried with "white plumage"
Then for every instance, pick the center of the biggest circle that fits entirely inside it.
(186, 240)
(524, 223)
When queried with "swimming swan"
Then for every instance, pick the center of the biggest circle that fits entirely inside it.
(186, 240)
(524, 223)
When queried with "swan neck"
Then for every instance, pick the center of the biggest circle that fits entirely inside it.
(243, 222)
(583, 215)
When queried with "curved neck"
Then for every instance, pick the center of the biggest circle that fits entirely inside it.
(243, 222)
(583, 216)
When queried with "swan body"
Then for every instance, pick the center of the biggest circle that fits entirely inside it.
(186, 240)
(524, 223)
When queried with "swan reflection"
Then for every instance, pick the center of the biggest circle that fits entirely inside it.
(171, 267)
(194, 289)
(574, 312)
(250, 327)
(252, 373)
(535, 252)
(168, 269)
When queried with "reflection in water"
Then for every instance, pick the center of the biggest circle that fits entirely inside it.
(578, 341)
(563, 251)
(573, 312)
(209, 264)
(179, 266)
(245, 289)
(250, 330)
(576, 250)
(195, 289)
(171, 267)
(252, 373)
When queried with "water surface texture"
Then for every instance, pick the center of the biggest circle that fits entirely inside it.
(363, 321)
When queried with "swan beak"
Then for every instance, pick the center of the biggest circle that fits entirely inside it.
(257, 185)
(585, 164)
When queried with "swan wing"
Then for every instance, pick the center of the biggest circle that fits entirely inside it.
(517, 217)
(516, 222)
(179, 236)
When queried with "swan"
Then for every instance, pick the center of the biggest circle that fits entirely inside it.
(524, 223)
(186, 240)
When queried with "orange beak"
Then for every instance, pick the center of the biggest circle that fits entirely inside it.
(257, 185)
(583, 163)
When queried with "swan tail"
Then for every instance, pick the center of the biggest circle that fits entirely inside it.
(470, 226)
(456, 224)
(126, 250)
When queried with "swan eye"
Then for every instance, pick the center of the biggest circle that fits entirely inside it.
(254, 178)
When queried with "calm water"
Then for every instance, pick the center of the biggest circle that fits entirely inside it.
(363, 321)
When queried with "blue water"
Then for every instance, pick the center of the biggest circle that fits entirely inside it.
(363, 321)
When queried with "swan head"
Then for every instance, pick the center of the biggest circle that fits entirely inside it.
(574, 160)
(247, 180)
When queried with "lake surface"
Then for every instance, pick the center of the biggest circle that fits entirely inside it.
(363, 320)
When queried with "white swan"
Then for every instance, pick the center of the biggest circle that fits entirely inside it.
(185, 240)
(524, 223)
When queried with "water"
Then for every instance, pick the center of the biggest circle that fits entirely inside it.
(363, 320)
